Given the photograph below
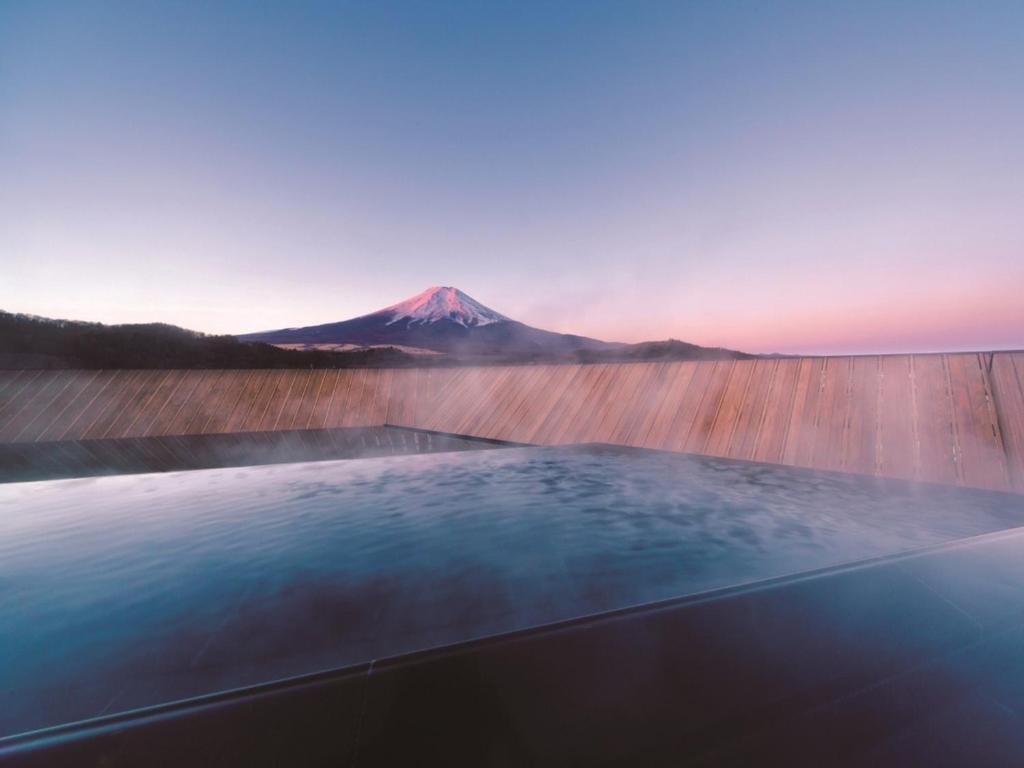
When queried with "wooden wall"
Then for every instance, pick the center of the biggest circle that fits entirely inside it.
(955, 418)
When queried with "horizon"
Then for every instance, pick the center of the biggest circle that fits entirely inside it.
(796, 181)
(472, 298)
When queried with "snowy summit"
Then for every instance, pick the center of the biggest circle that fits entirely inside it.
(443, 303)
(440, 319)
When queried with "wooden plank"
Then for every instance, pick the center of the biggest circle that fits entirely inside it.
(450, 396)
(723, 426)
(771, 438)
(608, 404)
(803, 424)
(683, 408)
(94, 382)
(464, 393)
(860, 448)
(573, 406)
(294, 403)
(830, 430)
(543, 419)
(592, 400)
(1007, 379)
(805, 382)
(21, 391)
(897, 439)
(9, 378)
(322, 404)
(207, 397)
(499, 425)
(707, 411)
(29, 401)
(131, 409)
(752, 410)
(88, 406)
(114, 405)
(339, 399)
(466, 401)
(632, 401)
(542, 413)
(361, 401)
(243, 413)
(981, 451)
(663, 426)
(479, 403)
(166, 416)
(642, 394)
(292, 384)
(221, 400)
(147, 414)
(197, 410)
(543, 381)
(381, 386)
(348, 407)
(268, 404)
(55, 410)
(398, 403)
(938, 454)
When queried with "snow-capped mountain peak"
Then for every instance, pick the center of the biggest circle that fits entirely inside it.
(442, 303)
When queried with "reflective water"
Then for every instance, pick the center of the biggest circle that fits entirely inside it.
(121, 592)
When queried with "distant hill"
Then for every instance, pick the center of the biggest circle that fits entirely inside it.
(27, 341)
(441, 326)
(447, 320)
(671, 349)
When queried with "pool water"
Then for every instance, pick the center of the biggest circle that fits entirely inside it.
(122, 592)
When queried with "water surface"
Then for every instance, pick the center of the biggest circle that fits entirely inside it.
(120, 592)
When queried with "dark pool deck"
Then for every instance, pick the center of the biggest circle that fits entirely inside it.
(912, 660)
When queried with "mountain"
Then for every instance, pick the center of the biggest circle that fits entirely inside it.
(441, 326)
(663, 351)
(441, 319)
(27, 341)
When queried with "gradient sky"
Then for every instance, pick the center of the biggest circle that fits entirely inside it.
(769, 176)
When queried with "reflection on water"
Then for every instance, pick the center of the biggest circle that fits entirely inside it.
(120, 592)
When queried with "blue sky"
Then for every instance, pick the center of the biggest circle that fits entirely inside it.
(767, 176)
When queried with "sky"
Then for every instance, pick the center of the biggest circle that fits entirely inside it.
(842, 177)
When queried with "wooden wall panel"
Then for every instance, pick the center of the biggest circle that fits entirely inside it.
(897, 441)
(699, 429)
(778, 410)
(112, 404)
(88, 386)
(1007, 377)
(727, 414)
(933, 414)
(751, 410)
(539, 409)
(19, 391)
(860, 443)
(684, 383)
(979, 443)
(31, 401)
(324, 399)
(166, 412)
(942, 418)
(137, 403)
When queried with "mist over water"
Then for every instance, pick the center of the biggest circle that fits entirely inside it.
(120, 592)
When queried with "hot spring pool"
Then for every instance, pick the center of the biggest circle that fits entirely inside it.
(121, 592)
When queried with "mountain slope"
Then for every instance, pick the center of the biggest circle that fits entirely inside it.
(28, 341)
(443, 319)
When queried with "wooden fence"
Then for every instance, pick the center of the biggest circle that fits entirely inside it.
(956, 418)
